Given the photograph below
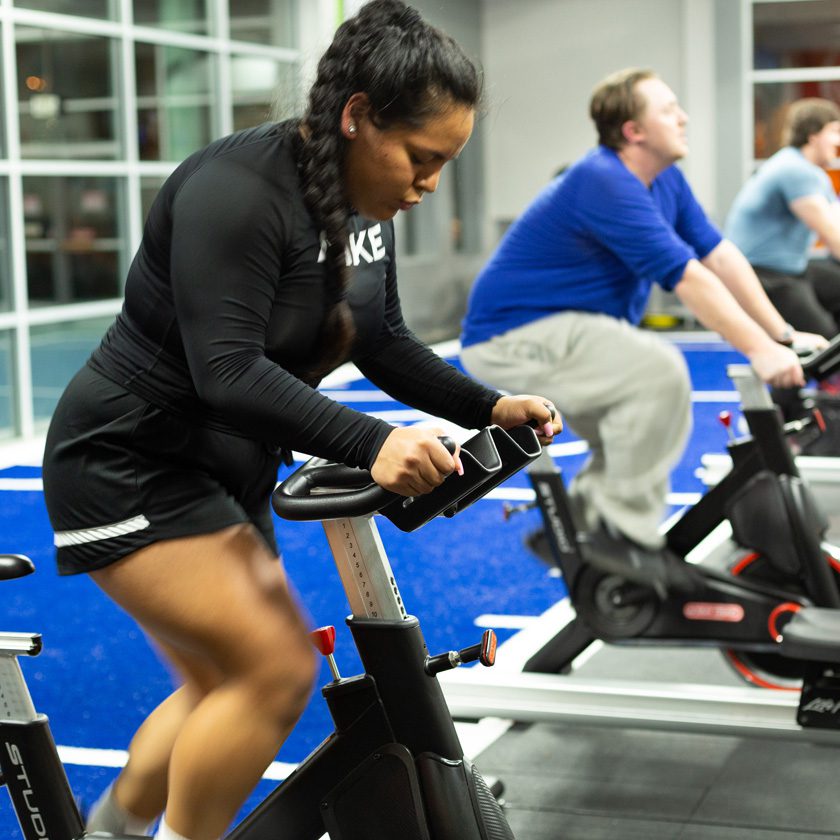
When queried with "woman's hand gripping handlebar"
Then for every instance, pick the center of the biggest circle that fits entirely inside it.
(323, 489)
(414, 461)
(528, 409)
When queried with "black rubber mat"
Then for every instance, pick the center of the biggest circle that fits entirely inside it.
(581, 783)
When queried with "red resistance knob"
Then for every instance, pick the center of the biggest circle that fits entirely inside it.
(725, 418)
(324, 639)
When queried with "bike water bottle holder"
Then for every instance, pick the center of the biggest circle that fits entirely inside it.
(489, 457)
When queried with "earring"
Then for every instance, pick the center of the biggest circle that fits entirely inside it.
(351, 129)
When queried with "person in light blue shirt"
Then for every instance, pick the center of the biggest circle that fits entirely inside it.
(557, 307)
(782, 209)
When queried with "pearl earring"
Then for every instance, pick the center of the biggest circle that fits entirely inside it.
(351, 129)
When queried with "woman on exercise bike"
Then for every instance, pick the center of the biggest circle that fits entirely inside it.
(267, 260)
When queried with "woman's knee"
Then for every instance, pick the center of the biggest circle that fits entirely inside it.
(279, 672)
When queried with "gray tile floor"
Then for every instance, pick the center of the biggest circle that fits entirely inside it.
(579, 783)
(570, 782)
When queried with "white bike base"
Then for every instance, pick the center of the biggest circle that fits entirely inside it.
(504, 691)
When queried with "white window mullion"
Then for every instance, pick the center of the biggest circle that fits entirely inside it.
(22, 384)
(134, 222)
(223, 118)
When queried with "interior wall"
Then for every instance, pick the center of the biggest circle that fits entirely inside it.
(434, 284)
(544, 57)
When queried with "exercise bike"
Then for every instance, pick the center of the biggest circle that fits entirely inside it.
(772, 607)
(393, 769)
(817, 451)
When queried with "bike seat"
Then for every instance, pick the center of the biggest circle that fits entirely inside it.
(15, 566)
(813, 633)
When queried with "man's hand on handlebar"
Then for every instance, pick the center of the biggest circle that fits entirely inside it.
(525, 408)
(779, 366)
(413, 461)
(805, 342)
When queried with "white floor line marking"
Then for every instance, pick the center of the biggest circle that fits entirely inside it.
(572, 447)
(19, 484)
(504, 622)
(88, 757)
(352, 395)
(518, 494)
(714, 396)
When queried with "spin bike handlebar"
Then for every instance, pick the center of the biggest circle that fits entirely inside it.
(302, 496)
(824, 362)
(322, 489)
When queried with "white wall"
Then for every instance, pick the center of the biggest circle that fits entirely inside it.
(543, 58)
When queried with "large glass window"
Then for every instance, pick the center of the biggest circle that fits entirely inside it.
(264, 21)
(149, 188)
(66, 84)
(82, 185)
(75, 242)
(101, 9)
(263, 89)
(796, 34)
(180, 15)
(57, 351)
(7, 391)
(175, 93)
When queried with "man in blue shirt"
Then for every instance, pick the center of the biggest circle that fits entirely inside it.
(556, 308)
(782, 209)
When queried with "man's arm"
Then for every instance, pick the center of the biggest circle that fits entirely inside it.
(734, 271)
(719, 310)
(822, 216)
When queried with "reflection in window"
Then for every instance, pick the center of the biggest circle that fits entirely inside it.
(264, 21)
(796, 34)
(57, 351)
(263, 89)
(174, 95)
(102, 9)
(3, 152)
(66, 95)
(180, 15)
(5, 271)
(74, 238)
(771, 101)
(149, 188)
(7, 389)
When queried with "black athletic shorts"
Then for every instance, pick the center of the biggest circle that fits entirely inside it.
(121, 473)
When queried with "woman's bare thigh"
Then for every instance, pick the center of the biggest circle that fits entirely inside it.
(208, 597)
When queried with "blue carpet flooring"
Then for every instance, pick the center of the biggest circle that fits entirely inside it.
(97, 677)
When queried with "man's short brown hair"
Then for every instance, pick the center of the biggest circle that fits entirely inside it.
(615, 101)
(806, 117)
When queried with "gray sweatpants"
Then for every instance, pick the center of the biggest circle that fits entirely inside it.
(626, 392)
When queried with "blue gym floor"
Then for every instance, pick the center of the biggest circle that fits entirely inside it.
(97, 677)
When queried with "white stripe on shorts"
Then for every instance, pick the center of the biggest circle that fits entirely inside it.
(103, 532)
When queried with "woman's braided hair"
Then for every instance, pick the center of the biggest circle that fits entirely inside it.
(410, 71)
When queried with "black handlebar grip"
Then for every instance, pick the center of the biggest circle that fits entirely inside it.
(450, 444)
(824, 362)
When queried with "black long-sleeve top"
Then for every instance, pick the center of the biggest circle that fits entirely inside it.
(226, 296)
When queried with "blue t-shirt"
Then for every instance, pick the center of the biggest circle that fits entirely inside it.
(594, 240)
(761, 223)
